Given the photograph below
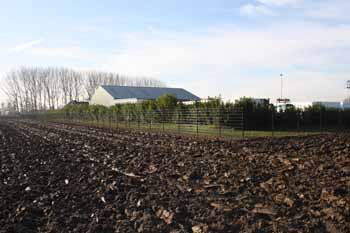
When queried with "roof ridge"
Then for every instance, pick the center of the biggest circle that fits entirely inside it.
(140, 86)
(125, 92)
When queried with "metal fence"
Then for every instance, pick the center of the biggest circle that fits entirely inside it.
(193, 121)
(207, 121)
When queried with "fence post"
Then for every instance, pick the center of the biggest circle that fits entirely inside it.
(197, 122)
(320, 118)
(340, 119)
(220, 122)
(116, 119)
(99, 119)
(273, 123)
(298, 120)
(150, 119)
(139, 119)
(105, 121)
(178, 121)
(243, 124)
(129, 119)
(163, 120)
(126, 119)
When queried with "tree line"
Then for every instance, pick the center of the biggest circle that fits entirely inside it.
(255, 116)
(31, 89)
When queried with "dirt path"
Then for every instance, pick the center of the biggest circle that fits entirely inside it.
(69, 178)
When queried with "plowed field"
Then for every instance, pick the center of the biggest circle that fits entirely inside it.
(71, 178)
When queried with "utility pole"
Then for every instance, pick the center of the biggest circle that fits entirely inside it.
(282, 101)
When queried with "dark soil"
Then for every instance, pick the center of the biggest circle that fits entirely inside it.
(66, 178)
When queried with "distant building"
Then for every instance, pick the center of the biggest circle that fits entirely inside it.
(112, 95)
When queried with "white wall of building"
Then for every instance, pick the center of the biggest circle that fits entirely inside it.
(127, 101)
(102, 97)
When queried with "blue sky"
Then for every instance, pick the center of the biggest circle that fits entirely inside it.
(223, 47)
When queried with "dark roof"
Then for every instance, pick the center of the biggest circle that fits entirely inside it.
(148, 93)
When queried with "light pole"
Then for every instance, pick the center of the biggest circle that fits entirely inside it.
(282, 101)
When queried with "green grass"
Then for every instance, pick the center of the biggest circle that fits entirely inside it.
(204, 130)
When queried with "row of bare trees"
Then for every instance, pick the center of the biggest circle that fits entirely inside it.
(35, 89)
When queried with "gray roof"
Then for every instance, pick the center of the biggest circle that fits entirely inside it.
(148, 93)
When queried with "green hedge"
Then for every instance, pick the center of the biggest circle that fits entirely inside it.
(214, 112)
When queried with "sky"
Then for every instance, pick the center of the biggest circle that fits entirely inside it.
(212, 48)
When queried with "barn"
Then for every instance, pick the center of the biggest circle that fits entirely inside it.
(112, 95)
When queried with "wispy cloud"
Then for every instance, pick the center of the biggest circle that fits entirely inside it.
(63, 52)
(309, 41)
(266, 7)
(328, 10)
(279, 2)
(67, 53)
(253, 10)
(93, 25)
(26, 45)
(244, 58)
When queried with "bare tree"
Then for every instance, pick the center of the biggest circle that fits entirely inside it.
(32, 89)
(95, 79)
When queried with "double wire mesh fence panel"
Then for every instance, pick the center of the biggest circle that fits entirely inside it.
(206, 121)
(190, 121)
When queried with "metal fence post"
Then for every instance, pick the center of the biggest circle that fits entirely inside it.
(242, 124)
(321, 119)
(129, 119)
(178, 121)
(138, 120)
(273, 123)
(116, 119)
(98, 119)
(102, 120)
(220, 118)
(298, 120)
(150, 120)
(163, 120)
(126, 118)
(197, 122)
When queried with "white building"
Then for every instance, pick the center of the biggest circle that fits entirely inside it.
(112, 95)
